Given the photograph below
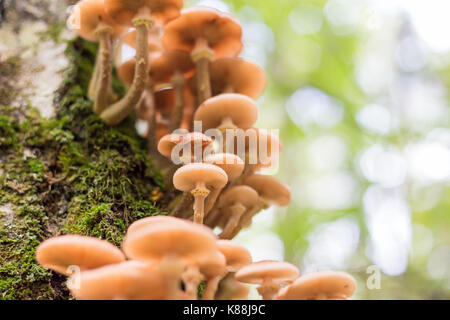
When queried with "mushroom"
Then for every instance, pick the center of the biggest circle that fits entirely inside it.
(231, 289)
(236, 257)
(270, 191)
(199, 179)
(129, 280)
(206, 34)
(192, 245)
(237, 75)
(233, 167)
(166, 100)
(141, 15)
(59, 253)
(93, 24)
(194, 143)
(233, 203)
(269, 275)
(321, 285)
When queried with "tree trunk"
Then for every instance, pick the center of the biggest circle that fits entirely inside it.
(61, 169)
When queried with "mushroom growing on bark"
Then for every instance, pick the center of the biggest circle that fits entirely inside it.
(321, 285)
(199, 179)
(207, 34)
(60, 253)
(269, 275)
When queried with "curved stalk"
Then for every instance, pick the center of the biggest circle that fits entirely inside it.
(93, 83)
(236, 212)
(103, 84)
(245, 220)
(211, 201)
(192, 279)
(178, 82)
(211, 288)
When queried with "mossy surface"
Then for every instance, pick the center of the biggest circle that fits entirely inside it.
(71, 174)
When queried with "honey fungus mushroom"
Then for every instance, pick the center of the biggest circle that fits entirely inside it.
(207, 34)
(190, 245)
(194, 143)
(129, 280)
(199, 179)
(141, 15)
(321, 285)
(90, 21)
(235, 256)
(269, 275)
(86, 253)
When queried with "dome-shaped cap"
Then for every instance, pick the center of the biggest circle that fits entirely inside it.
(228, 162)
(320, 285)
(153, 221)
(186, 178)
(87, 16)
(213, 266)
(239, 108)
(243, 195)
(123, 11)
(268, 271)
(236, 256)
(222, 32)
(189, 242)
(238, 74)
(59, 253)
(130, 280)
(270, 188)
(163, 68)
(168, 142)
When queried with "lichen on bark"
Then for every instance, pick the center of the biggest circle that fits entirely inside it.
(68, 174)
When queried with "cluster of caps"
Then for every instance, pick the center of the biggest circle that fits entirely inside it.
(166, 258)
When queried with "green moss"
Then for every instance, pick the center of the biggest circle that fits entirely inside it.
(71, 174)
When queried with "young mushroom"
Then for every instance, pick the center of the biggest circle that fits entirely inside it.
(269, 275)
(92, 23)
(207, 34)
(60, 253)
(141, 15)
(233, 203)
(129, 280)
(321, 285)
(190, 147)
(236, 257)
(199, 179)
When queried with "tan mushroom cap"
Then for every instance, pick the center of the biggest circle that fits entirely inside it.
(236, 256)
(270, 189)
(168, 142)
(268, 272)
(164, 67)
(239, 108)
(125, 72)
(130, 280)
(154, 42)
(123, 11)
(222, 32)
(59, 253)
(228, 162)
(186, 178)
(239, 75)
(189, 242)
(87, 16)
(153, 221)
(213, 266)
(243, 195)
(320, 285)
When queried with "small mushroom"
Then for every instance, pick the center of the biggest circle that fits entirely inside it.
(231, 289)
(237, 75)
(233, 203)
(199, 179)
(269, 275)
(129, 280)
(59, 253)
(93, 24)
(194, 143)
(321, 285)
(236, 257)
(207, 34)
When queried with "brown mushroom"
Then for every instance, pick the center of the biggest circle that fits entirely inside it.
(321, 285)
(237, 75)
(93, 24)
(269, 275)
(174, 147)
(206, 34)
(199, 179)
(59, 253)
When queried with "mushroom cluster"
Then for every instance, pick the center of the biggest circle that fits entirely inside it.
(187, 70)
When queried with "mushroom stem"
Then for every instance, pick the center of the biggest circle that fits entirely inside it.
(173, 269)
(211, 201)
(228, 89)
(93, 84)
(192, 279)
(103, 83)
(268, 291)
(178, 82)
(211, 288)
(150, 113)
(212, 218)
(246, 218)
(202, 56)
(236, 212)
(120, 110)
(200, 193)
